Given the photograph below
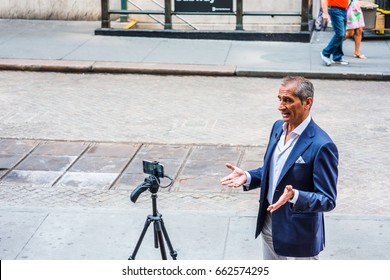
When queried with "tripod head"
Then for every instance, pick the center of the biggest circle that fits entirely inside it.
(151, 183)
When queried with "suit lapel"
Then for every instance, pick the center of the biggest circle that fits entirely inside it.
(276, 133)
(274, 138)
(302, 144)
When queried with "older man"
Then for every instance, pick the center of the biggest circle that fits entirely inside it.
(298, 179)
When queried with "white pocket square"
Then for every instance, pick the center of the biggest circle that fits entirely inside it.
(300, 160)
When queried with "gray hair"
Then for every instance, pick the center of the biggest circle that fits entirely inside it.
(303, 88)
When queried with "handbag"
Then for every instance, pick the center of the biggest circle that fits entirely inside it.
(319, 23)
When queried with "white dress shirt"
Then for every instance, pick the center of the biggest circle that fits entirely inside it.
(279, 158)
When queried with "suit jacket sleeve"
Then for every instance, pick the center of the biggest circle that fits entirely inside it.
(325, 173)
(256, 176)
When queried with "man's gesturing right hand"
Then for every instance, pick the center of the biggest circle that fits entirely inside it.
(235, 179)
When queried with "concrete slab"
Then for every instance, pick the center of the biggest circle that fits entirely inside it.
(60, 148)
(196, 235)
(129, 181)
(100, 164)
(112, 150)
(46, 163)
(16, 147)
(126, 49)
(98, 181)
(9, 161)
(53, 40)
(269, 56)
(31, 178)
(113, 235)
(152, 151)
(6, 35)
(78, 235)
(196, 183)
(42, 44)
(189, 52)
(17, 229)
(357, 238)
(197, 168)
(219, 153)
(252, 158)
(241, 244)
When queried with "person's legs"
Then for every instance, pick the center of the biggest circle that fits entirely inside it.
(358, 40)
(349, 33)
(268, 248)
(335, 46)
(339, 22)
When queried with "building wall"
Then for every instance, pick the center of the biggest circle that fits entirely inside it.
(91, 10)
(50, 9)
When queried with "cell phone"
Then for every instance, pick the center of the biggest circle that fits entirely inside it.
(153, 168)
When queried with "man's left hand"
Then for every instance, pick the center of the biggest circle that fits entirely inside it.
(287, 195)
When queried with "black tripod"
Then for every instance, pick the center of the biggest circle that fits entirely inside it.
(159, 228)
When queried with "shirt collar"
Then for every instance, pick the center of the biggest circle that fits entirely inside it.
(300, 128)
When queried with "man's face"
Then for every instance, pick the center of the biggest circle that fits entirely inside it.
(291, 107)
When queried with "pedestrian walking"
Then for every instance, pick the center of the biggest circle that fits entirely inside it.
(336, 11)
(355, 24)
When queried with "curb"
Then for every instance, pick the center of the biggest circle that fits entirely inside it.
(69, 66)
(373, 76)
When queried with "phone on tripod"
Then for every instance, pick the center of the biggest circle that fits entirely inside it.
(153, 168)
(152, 183)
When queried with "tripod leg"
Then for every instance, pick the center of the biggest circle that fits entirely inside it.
(155, 237)
(146, 226)
(158, 232)
(172, 252)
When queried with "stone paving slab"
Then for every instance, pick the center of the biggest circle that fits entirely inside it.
(60, 148)
(9, 161)
(99, 164)
(91, 180)
(46, 163)
(112, 150)
(34, 178)
(16, 147)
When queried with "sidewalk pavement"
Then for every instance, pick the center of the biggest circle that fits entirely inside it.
(68, 46)
(70, 199)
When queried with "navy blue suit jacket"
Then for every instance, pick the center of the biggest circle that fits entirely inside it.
(298, 229)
